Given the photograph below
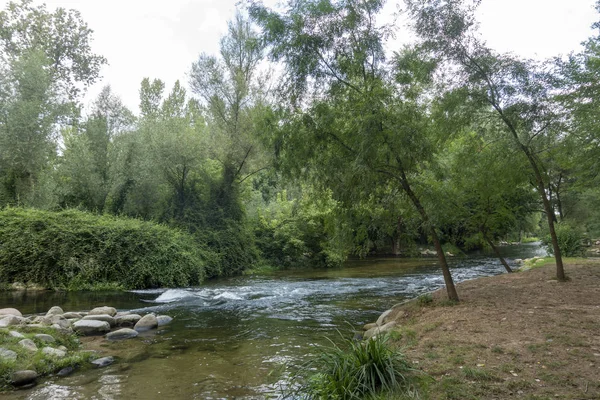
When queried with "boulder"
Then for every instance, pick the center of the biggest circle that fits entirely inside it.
(8, 355)
(91, 327)
(16, 334)
(103, 310)
(128, 319)
(163, 320)
(56, 310)
(24, 377)
(45, 338)
(103, 362)
(72, 315)
(382, 317)
(54, 352)
(66, 371)
(10, 320)
(42, 321)
(379, 329)
(147, 322)
(100, 317)
(121, 334)
(28, 344)
(10, 311)
(369, 326)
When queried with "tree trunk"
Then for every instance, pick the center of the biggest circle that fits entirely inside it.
(450, 288)
(497, 252)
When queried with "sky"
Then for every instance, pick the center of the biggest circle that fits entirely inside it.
(161, 39)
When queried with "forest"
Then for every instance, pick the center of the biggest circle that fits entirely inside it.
(305, 141)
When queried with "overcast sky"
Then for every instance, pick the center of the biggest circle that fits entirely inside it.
(161, 39)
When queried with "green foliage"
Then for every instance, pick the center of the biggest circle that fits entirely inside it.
(73, 249)
(570, 240)
(360, 370)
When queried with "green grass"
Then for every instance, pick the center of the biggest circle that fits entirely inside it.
(370, 369)
(478, 374)
(530, 239)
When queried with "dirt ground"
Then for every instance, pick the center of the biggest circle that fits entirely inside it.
(521, 335)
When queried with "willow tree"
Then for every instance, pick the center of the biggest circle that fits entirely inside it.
(354, 123)
(516, 95)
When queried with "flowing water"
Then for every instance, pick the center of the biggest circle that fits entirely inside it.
(243, 337)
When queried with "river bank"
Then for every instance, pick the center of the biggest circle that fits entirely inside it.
(521, 335)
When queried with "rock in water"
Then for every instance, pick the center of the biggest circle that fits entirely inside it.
(54, 352)
(128, 320)
(147, 322)
(6, 354)
(28, 344)
(56, 310)
(10, 311)
(121, 334)
(104, 310)
(91, 327)
(45, 338)
(103, 362)
(163, 320)
(25, 377)
(100, 317)
(66, 371)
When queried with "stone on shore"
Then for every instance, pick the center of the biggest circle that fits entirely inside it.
(100, 317)
(25, 377)
(163, 320)
(91, 327)
(54, 352)
(128, 319)
(10, 311)
(16, 334)
(121, 334)
(28, 344)
(103, 362)
(147, 322)
(45, 338)
(72, 315)
(379, 329)
(10, 320)
(56, 310)
(7, 355)
(103, 310)
(382, 317)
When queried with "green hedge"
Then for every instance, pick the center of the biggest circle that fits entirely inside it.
(77, 250)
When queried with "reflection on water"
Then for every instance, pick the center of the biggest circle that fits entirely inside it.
(242, 337)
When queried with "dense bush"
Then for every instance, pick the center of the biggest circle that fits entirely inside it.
(570, 240)
(75, 250)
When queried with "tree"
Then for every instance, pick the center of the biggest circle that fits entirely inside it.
(516, 95)
(353, 125)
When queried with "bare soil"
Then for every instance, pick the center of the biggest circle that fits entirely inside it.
(521, 335)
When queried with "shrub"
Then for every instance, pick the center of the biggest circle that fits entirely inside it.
(363, 369)
(570, 240)
(77, 250)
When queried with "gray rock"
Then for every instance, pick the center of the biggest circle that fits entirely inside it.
(100, 317)
(121, 313)
(128, 319)
(28, 344)
(72, 315)
(40, 326)
(54, 352)
(103, 310)
(25, 377)
(369, 326)
(42, 320)
(103, 362)
(66, 371)
(10, 320)
(147, 322)
(10, 311)
(371, 333)
(63, 348)
(91, 327)
(121, 334)
(16, 334)
(382, 317)
(6, 354)
(45, 338)
(56, 310)
(163, 320)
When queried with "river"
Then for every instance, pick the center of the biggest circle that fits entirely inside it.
(243, 337)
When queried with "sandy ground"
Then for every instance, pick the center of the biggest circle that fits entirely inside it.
(521, 335)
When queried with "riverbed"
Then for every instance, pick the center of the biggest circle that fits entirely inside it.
(243, 337)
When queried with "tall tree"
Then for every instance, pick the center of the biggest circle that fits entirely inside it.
(516, 95)
(354, 125)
